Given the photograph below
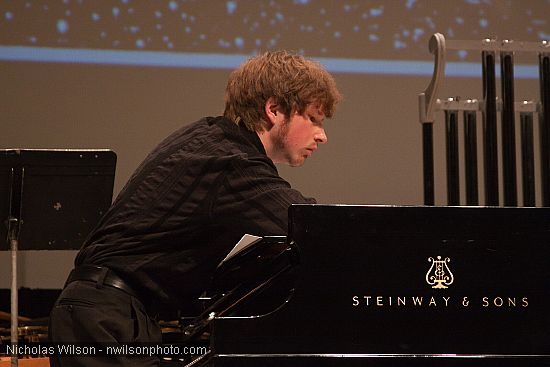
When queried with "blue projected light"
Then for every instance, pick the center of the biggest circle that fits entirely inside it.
(353, 36)
(224, 61)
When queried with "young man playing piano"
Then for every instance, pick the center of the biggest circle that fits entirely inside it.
(190, 201)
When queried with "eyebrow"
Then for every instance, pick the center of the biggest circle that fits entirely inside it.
(316, 111)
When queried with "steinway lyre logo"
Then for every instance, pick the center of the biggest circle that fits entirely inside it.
(439, 276)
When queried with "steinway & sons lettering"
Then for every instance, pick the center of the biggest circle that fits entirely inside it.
(374, 301)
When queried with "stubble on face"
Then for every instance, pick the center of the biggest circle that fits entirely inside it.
(281, 143)
(281, 136)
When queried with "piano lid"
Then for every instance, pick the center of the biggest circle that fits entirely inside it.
(385, 280)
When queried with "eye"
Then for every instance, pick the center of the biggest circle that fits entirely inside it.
(315, 121)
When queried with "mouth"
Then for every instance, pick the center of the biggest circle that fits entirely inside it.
(309, 152)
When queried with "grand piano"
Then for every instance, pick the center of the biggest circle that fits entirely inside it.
(393, 286)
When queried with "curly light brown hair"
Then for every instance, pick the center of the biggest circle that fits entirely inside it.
(293, 81)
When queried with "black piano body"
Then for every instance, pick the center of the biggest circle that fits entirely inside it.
(404, 286)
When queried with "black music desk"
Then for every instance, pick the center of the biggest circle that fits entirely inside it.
(405, 286)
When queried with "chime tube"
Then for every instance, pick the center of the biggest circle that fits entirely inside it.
(470, 157)
(451, 147)
(509, 175)
(489, 115)
(428, 163)
(527, 158)
(544, 126)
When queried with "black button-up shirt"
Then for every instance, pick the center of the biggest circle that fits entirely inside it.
(185, 207)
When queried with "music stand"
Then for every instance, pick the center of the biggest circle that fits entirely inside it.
(51, 200)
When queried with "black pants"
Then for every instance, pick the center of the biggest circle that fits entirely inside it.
(86, 313)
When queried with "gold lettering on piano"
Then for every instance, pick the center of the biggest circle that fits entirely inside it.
(439, 276)
(399, 301)
(505, 302)
(379, 301)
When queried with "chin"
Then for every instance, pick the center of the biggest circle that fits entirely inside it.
(297, 163)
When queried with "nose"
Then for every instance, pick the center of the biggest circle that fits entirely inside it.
(321, 136)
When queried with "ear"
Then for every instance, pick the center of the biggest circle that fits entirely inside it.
(272, 111)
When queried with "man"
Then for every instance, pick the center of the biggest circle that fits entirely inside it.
(190, 201)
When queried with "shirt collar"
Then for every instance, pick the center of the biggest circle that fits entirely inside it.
(241, 130)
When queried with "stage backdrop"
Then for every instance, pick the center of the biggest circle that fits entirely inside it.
(124, 74)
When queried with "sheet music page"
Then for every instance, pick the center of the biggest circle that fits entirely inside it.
(246, 241)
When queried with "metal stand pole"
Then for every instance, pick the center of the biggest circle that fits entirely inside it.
(490, 153)
(428, 163)
(14, 296)
(15, 202)
(509, 176)
(544, 123)
(527, 158)
(470, 157)
(426, 103)
(451, 146)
